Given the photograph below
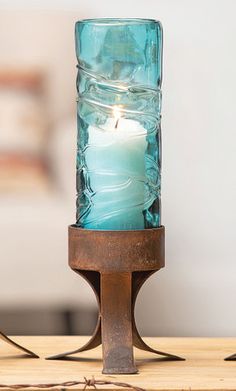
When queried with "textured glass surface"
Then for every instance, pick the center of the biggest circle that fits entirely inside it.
(119, 134)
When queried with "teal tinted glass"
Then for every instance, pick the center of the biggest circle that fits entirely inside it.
(119, 134)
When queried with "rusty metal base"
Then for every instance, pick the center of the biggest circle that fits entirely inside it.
(6, 339)
(116, 264)
(119, 337)
(231, 358)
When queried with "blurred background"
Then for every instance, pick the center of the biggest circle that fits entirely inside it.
(195, 295)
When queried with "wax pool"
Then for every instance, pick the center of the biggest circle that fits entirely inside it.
(115, 161)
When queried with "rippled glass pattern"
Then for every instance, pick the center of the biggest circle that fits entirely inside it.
(119, 132)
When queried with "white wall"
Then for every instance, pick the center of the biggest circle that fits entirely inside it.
(196, 293)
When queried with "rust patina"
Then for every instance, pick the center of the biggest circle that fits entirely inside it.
(116, 264)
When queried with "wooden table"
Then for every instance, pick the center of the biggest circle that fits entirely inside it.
(204, 368)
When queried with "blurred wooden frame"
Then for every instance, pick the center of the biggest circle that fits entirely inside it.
(23, 79)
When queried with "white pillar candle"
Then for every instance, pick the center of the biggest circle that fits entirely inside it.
(115, 161)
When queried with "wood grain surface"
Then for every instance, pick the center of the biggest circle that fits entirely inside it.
(204, 368)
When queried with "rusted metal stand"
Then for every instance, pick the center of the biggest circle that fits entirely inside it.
(116, 264)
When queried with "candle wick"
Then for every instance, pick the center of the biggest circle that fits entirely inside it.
(116, 124)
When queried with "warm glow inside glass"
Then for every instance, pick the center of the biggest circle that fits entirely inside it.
(119, 133)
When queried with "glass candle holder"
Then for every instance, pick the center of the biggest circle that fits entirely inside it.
(119, 130)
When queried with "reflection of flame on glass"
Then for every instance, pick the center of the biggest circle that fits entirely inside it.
(117, 115)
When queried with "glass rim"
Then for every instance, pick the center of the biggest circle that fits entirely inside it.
(117, 21)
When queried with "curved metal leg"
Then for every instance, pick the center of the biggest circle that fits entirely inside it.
(119, 349)
(93, 278)
(231, 358)
(6, 339)
(138, 280)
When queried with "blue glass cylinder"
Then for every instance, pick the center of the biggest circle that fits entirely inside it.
(119, 130)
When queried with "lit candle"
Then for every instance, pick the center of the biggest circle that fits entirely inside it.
(115, 161)
(119, 114)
